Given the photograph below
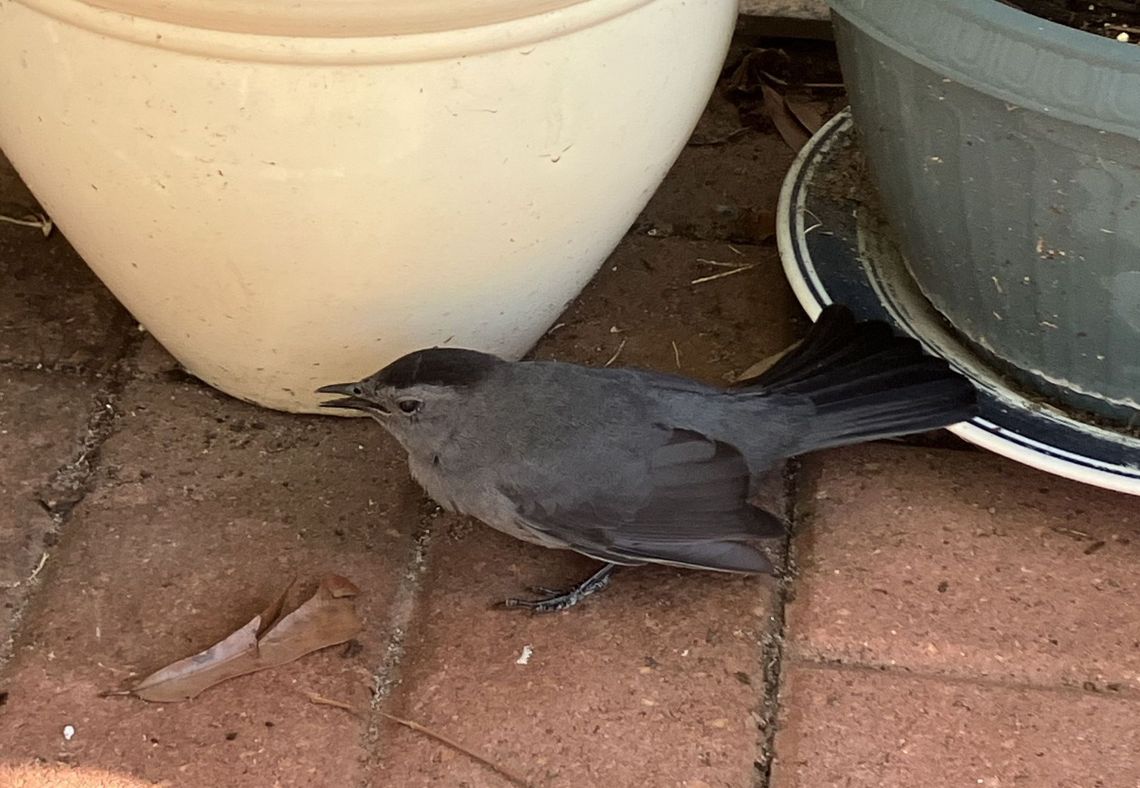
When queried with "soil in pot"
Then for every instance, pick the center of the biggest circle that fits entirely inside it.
(1119, 19)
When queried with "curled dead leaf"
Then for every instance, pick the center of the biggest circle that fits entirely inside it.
(810, 114)
(782, 118)
(327, 618)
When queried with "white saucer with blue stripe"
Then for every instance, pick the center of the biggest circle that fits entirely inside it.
(835, 248)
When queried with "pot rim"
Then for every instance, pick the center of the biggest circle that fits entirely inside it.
(1020, 25)
(956, 38)
(875, 284)
(353, 33)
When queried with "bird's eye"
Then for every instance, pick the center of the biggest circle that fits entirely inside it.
(409, 405)
(357, 391)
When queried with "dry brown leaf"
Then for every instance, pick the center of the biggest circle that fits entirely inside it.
(327, 618)
(186, 678)
(753, 69)
(784, 121)
(808, 113)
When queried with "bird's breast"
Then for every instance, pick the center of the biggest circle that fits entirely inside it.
(432, 476)
(470, 494)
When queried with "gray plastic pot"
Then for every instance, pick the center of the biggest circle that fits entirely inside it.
(1007, 152)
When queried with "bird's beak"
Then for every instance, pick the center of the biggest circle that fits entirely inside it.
(349, 400)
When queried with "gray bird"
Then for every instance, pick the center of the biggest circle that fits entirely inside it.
(633, 467)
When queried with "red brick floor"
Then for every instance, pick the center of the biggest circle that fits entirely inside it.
(948, 618)
(859, 726)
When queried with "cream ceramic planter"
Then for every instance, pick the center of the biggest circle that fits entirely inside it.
(291, 194)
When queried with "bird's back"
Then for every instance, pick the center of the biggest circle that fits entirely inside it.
(595, 460)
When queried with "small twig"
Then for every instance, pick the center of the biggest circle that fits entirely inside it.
(32, 576)
(21, 222)
(117, 671)
(706, 261)
(617, 353)
(1071, 532)
(36, 220)
(815, 226)
(676, 353)
(35, 572)
(321, 700)
(439, 737)
(723, 274)
(734, 250)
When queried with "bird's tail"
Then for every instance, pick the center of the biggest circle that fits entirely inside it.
(866, 383)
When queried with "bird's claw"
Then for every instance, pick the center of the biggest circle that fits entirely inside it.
(552, 600)
(551, 603)
(545, 591)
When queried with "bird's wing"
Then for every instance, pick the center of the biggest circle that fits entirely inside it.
(690, 509)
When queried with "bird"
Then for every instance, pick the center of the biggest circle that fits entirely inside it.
(630, 466)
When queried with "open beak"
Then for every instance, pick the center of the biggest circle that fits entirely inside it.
(350, 400)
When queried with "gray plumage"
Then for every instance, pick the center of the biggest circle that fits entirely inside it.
(630, 466)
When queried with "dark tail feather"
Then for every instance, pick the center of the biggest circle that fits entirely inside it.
(866, 383)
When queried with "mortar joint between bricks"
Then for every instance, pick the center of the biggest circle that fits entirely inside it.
(71, 482)
(773, 642)
(405, 606)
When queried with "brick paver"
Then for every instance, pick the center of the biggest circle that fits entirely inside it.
(201, 511)
(656, 681)
(42, 420)
(857, 727)
(968, 564)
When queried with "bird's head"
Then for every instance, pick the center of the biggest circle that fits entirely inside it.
(415, 394)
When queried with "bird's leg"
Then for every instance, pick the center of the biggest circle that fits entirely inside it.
(560, 600)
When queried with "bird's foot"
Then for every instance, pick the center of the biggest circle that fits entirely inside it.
(552, 600)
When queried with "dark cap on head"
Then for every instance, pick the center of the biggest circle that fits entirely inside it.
(451, 367)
